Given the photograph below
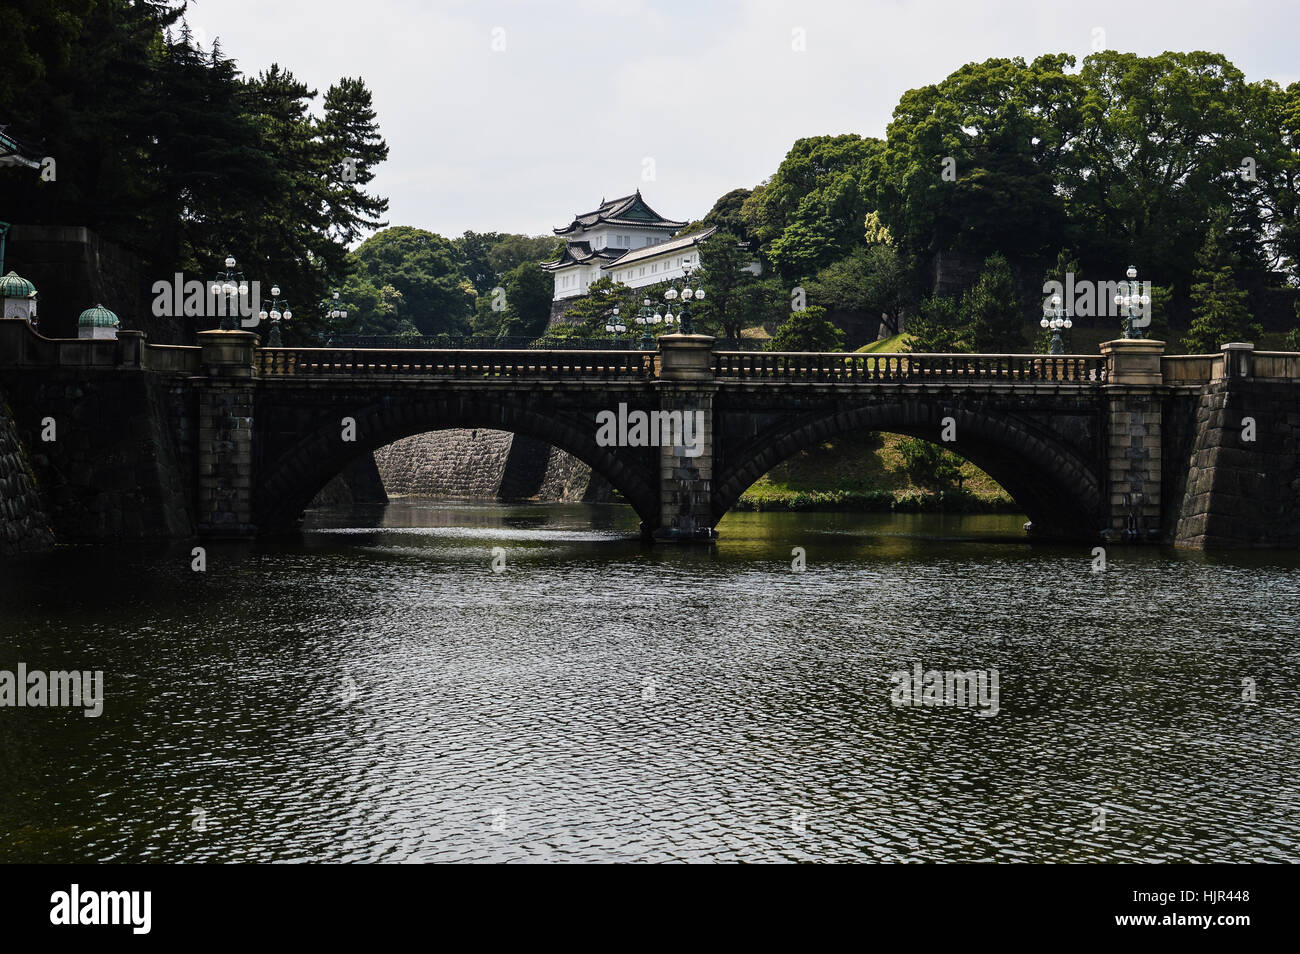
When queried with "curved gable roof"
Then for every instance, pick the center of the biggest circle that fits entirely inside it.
(626, 210)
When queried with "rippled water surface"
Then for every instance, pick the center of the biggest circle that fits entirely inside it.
(374, 691)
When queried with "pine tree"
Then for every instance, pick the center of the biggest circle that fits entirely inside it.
(352, 147)
(935, 328)
(992, 311)
(1220, 312)
(807, 330)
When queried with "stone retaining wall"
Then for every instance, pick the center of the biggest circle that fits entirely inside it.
(1241, 492)
(114, 470)
(487, 465)
(24, 527)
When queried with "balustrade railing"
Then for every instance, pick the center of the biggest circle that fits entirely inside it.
(456, 363)
(835, 367)
(630, 341)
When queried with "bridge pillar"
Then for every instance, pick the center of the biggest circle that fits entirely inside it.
(225, 451)
(686, 385)
(1133, 439)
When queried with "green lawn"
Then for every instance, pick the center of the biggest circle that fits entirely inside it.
(889, 345)
(866, 471)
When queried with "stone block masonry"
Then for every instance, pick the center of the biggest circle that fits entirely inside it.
(114, 470)
(483, 464)
(24, 526)
(225, 487)
(1241, 492)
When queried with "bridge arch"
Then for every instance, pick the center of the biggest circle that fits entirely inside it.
(292, 469)
(1058, 488)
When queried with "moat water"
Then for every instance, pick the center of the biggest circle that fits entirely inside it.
(374, 691)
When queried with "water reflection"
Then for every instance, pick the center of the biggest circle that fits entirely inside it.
(373, 691)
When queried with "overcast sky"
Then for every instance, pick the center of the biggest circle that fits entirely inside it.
(512, 116)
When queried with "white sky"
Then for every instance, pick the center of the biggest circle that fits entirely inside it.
(712, 91)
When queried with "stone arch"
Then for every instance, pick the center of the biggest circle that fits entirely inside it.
(1056, 485)
(287, 480)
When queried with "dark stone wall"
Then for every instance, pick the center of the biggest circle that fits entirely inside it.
(1178, 445)
(559, 311)
(73, 269)
(24, 527)
(486, 465)
(1240, 493)
(359, 483)
(114, 469)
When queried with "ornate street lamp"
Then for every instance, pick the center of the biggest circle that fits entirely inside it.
(229, 285)
(646, 317)
(333, 313)
(1133, 302)
(685, 297)
(279, 309)
(1054, 317)
(616, 326)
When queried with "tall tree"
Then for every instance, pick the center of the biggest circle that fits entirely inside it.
(473, 248)
(871, 279)
(726, 214)
(352, 148)
(528, 300)
(810, 212)
(424, 267)
(725, 276)
(1219, 305)
(1160, 144)
(935, 328)
(968, 161)
(992, 311)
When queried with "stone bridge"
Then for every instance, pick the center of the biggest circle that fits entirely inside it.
(128, 439)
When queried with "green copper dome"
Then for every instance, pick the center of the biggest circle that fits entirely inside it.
(97, 317)
(14, 285)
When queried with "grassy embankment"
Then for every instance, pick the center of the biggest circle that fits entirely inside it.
(867, 471)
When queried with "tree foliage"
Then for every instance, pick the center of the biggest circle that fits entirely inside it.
(807, 330)
(1219, 305)
(435, 297)
(168, 149)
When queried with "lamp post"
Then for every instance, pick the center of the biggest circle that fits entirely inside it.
(1054, 317)
(230, 286)
(1133, 302)
(615, 326)
(332, 312)
(685, 296)
(646, 317)
(279, 309)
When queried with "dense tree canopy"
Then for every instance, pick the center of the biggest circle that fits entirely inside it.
(1121, 159)
(435, 296)
(168, 149)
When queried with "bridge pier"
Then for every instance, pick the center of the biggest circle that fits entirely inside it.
(225, 419)
(686, 386)
(1134, 408)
